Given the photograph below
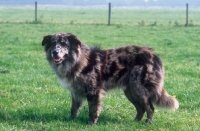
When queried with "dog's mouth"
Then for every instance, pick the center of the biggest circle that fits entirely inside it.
(58, 60)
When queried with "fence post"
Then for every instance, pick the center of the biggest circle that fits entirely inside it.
(109, 13)
(186, 24)
(36, 11)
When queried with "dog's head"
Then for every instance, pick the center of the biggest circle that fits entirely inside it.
(61, 46)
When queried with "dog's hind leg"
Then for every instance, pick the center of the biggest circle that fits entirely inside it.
(142, 105)
(76, 104)
(139, 95)
(139, 108)
(150, 111)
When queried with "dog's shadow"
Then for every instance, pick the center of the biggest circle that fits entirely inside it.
(37, 115)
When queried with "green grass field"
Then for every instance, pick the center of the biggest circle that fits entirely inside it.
(32, 99)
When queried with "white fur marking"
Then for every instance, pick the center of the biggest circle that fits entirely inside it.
(65, 84)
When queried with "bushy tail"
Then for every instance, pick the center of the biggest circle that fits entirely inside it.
(166, 101)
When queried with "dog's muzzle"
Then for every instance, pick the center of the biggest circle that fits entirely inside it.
(56, 57)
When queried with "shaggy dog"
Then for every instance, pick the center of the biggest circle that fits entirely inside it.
(88, 73)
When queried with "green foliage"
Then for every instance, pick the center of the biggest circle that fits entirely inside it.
(32, 99)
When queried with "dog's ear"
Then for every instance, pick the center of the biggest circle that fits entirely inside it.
(74, 40)
(46, 40)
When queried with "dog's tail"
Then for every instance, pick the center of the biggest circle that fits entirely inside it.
(166, 101)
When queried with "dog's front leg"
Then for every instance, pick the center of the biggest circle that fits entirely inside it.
(94, 104)
(77, 102)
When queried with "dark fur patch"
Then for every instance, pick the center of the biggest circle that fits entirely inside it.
(121, 73)
(91, 63)
(142, 59)
(119, 50)
(123, 61)
(112, 69)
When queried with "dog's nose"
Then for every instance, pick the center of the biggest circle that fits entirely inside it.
(55, 53)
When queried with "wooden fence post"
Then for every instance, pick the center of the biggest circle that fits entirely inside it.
(36, 11)
(186, 24)
(109, 13)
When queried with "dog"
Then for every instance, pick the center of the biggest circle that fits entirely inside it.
(88, 73)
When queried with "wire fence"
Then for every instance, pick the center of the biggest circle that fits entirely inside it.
(104, 14)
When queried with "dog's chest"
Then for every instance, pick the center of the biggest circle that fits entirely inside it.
(65, 84)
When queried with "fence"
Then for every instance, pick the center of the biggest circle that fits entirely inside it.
(120, 15)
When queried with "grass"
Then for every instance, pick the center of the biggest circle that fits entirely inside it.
(32, 99)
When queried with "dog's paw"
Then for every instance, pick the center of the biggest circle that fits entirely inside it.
(92, 122)
(148, 121)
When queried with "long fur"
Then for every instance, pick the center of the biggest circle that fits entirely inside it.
(88, 73)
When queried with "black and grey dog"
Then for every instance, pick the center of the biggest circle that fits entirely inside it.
(88, 73)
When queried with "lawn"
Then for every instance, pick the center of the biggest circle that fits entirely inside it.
(32, 99)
